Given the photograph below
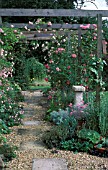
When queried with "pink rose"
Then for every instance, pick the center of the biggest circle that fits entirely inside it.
(15, 31)
(94, 37)
(47, 66)
(94, 25)
(49, 23)
(85, 26)
(70, 105)
(74, 55)
(1, 30)
(49, 97)
(57, 69)
(67, 82)
(61, 49)
(46, 79)
(68, 67)
(51, 61)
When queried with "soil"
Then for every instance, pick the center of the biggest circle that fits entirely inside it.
(28, 139)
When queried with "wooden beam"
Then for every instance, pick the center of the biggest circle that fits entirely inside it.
(45, 26)
(99, 55)
(52, 12)
(1, 21)
(104, 47)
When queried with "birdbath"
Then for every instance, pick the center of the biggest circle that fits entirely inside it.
(78, 99)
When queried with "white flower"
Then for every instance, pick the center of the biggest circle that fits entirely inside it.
(64, 40)
(25, 27)
(54, 37)
(43, 45)
(12, 26)
(31, 23)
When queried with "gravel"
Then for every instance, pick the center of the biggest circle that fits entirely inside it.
(23, 161)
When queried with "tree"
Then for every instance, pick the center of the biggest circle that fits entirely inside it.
(106, 2)
(39, 4)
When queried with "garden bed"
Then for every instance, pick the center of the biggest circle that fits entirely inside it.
(78, 161)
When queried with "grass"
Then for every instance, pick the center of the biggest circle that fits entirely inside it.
(39, 85)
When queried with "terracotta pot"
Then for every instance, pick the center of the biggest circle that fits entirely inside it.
(101, 150)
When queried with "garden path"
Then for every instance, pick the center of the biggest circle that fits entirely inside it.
(31, 148)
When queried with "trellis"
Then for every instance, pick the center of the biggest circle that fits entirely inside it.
(56, 13)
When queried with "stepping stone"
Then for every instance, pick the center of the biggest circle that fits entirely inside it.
(49, 164)
(29, 123)
(28, 109)
(31, 113)
(38, 145)
(27, 115)
(34, 132)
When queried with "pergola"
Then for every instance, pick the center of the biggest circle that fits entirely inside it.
(57, 13)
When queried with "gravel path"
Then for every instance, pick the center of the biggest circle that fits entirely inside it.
(28, 140)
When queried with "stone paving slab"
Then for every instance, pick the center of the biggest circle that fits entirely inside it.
(30, 123)
(34, 132)
(28, 109)
(49, 164)
(37, 145)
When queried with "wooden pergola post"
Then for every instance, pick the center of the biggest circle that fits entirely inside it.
(99, 53)
(0, 16)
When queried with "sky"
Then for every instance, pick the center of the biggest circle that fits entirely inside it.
(101, 4)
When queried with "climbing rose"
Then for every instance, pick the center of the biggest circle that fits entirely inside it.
(74, 55)
(59, 50)
(85, 26)
(94, 37)
(1, 30)
(49, 97)
(94, 25)
(46, 79)
(70, 105)
(47, 66)
(49, 23)
(57, 69)
(51, 61)
(67, 82)
(15, 31)
(68, 67)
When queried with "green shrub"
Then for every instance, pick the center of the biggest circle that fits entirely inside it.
(8, 151)
(90, 135)
(76, 146)
(62, 132)
(103, 114)
(59, 117)
(4, 129)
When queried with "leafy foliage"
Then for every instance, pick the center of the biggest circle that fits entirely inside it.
(89, 135)
(8, 151)
(59, 117)
(62, 132)
(4, 129)
(33, 69)
(76, 146)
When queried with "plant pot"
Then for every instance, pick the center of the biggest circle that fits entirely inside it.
(101, 150)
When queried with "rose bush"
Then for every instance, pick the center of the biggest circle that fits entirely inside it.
(10, 112)
(66, 66)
